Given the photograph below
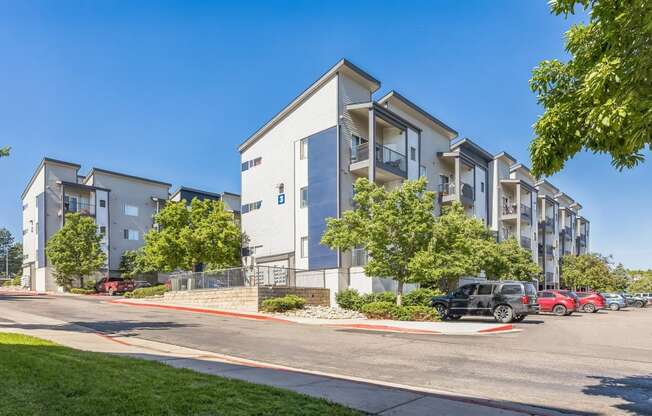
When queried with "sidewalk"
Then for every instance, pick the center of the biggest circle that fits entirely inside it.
(368, 396)
(425, 328)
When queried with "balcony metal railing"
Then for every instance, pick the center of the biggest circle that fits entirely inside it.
(446, 188)
(384, 155)
(359, 257)
(526, 242)
(509, 209)
(83, 208)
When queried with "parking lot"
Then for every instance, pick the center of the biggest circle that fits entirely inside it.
(583, 364)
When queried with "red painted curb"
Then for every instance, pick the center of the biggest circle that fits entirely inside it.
(507, 327)
(206, 311)
(385, 328)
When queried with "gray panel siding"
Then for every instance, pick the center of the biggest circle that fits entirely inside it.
(40, 258)
(322, 195)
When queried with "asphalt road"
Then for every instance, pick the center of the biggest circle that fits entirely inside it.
(583, 364)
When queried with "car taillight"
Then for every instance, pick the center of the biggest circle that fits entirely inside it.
(525, 299)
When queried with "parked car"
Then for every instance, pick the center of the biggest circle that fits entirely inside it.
(506, 301)
(561, 303)
(614, 301)
(114, 285)
(141, 283)
(591, 302)
(647, 296)
(635, 301)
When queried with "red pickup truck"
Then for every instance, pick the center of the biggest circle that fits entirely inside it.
(114, 285)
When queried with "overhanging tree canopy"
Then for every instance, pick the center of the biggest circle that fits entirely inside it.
(601, 99)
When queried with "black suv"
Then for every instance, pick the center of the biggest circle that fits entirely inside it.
(505, 300)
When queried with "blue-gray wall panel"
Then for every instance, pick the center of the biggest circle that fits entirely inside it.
(322, 195)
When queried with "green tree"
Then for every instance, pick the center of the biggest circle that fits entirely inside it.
(507, 260)
(619, 278)
(457, 248)
(75, 251)
(587, 271)
(600, 99)
(4, 151)
(14, 250)
(16, 259)
(203, 233)
(391, 225)
(133, 263)
(641, 281)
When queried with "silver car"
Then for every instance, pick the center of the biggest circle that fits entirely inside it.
(614, 301)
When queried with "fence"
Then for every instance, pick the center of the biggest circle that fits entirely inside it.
(248, 276)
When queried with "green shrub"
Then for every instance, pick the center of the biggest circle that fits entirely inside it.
(379, 297)
(378, 310)
(420, 297)
(89, 284)
(415, 313)
(349, 299)
(283, 304)
(8, 283)
(144, 292)
(82, 291)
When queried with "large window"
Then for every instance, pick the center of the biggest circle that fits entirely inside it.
(304, 196)
(252, 206)
(413, 153)
(132, 235)
(304, 247)
(131, 210)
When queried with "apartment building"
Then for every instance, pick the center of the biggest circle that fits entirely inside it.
(299, 168)
(548, 241)
(184, 193)
(121, 205)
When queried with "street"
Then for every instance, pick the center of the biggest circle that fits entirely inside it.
(585, 364)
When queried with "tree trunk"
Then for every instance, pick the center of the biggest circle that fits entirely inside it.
(399, 293)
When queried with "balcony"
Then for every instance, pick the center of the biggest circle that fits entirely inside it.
(359, 257)
(526, 242)
(581, 240)
(550, 278)
(83, 208)
(449, 193)
(390, 164)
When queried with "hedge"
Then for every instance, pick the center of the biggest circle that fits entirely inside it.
(144, 292)
(351, 299)
(388, 310)
(283, 304)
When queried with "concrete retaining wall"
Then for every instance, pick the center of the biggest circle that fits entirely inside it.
(244, 298)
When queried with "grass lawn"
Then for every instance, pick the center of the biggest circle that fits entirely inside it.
(38, 377)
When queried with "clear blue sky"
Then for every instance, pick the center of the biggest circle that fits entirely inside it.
(168, 90)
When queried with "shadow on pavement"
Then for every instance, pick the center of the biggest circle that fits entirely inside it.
(635, 391)
(123, 328)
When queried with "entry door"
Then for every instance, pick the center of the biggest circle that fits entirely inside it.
(461, 298)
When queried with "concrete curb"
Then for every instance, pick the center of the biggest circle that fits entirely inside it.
(372, 326)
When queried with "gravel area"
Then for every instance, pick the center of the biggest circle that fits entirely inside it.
(323, 312)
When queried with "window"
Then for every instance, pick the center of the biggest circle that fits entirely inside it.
(131, 210)
(251, 163)
(304, 196)
(102, 203)
(303, 149)
(413, 153)
(481, 186)
(24, 207)
(485, 289)
(281, 188)
(131, 235)
(102, 229)
(465, 291)
(423, 171)
(251, 206)
(304, 247)
(511, 290)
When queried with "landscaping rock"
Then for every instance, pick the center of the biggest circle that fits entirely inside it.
(323, 312)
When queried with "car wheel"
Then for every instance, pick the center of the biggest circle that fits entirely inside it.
(519, 318)
(638, 304)
(559, 310)
(442, 311)
(503, 314)
(589, 308)
(614, 307)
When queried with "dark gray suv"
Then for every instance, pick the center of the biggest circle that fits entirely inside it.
(505, 300)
